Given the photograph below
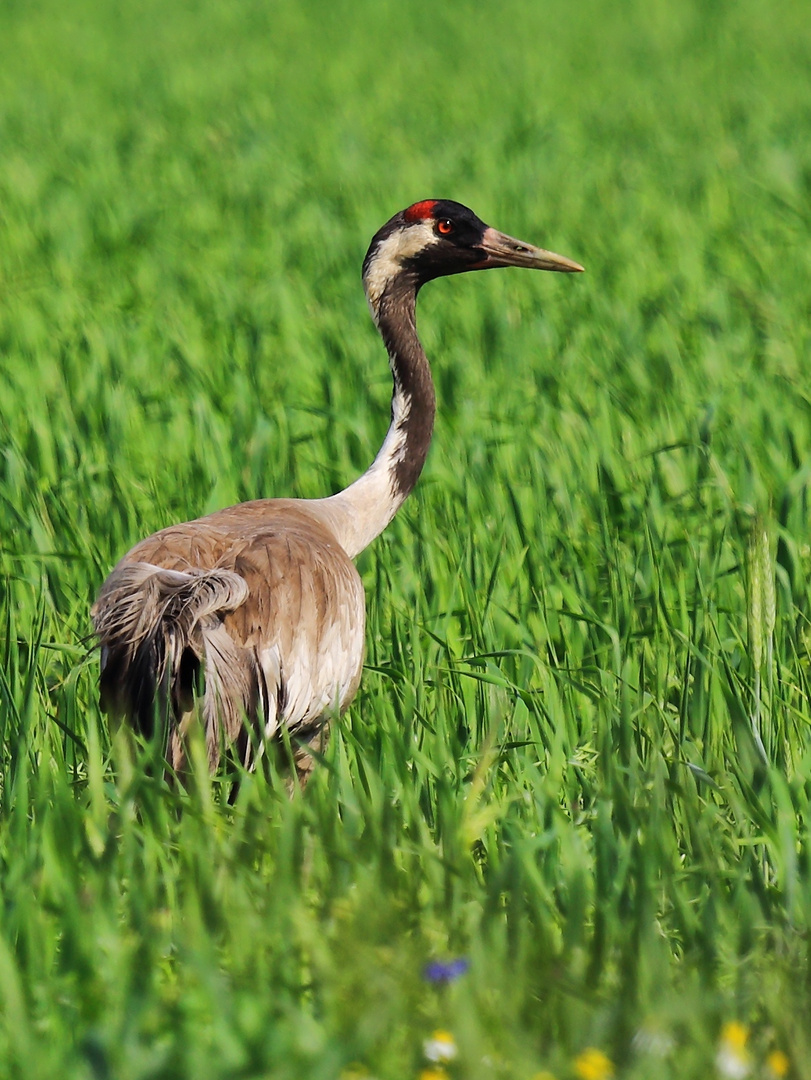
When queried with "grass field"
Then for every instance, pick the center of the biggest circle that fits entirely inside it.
(579, 759)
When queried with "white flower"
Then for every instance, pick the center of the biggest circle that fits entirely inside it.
(440, 1047)
(733, 1060)
(653, 1041)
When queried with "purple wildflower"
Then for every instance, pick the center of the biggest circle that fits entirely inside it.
(445, 971)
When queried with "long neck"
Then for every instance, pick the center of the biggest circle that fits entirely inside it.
(362, 511)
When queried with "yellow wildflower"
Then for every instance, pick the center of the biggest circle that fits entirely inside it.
(593, 1064)
(777, 1064)
(436, 1072)
(736, 1034)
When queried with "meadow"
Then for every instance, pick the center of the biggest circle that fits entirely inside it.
(579, 765)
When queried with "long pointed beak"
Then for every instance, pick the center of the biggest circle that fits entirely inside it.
(502, 250)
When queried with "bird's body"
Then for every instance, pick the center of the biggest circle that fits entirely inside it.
(252, 619)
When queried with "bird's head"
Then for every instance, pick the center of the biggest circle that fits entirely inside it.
(437, 237)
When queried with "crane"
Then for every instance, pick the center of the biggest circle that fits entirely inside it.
(251, 620)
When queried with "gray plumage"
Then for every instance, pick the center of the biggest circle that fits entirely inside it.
(261, 599)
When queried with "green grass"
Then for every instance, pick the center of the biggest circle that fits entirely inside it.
(580, 753)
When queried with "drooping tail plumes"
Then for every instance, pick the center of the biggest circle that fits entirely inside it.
(157, 627)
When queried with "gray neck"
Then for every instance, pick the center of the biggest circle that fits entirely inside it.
(362, 511)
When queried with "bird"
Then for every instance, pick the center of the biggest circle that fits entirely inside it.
(250, 622)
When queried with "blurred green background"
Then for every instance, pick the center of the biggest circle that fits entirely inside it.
(579, 756)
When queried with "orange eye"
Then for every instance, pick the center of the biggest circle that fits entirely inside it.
(445, 226)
